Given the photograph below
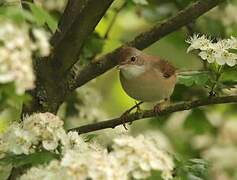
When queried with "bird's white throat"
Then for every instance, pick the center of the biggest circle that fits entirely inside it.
(132, 71)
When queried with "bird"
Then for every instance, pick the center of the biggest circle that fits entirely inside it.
(145, 78)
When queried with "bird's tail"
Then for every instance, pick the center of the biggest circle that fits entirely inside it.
(191, 72)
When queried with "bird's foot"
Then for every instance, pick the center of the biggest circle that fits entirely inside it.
(124, 116)
(137, 106)
(157, 109)
(160, 106)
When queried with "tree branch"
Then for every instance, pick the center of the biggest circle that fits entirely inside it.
(67, 46)
(77, 23)
(101, 65)
(150, 113)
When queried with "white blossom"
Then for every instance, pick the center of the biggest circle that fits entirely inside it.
(24, 138)
(89, 164)
(16, 140)
(139, 156)
(42, 42)
(16, 52)
(214, 51)
(72, 141)
(198, 42)
(130, 158)
(52, 171)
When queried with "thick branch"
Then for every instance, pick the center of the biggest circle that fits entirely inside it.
(72, 10)
(150, 113)
(77, 23)
(104, 63)
(68, 43)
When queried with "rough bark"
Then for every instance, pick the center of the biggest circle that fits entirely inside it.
(150, 113)
(77, 23)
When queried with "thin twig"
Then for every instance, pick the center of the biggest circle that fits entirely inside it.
(218, 76)
(150, 113)
(117, 11)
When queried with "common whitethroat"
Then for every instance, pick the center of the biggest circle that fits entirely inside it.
(144, 77)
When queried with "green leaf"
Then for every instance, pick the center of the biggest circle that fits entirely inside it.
(199, 79)
(5, 171)
(233, 51)
(16, 14)
(198, 122)
(191, 169)
(93, 46)
(186, 80)
(90, 137)
(155, 175)
(31, 159)
(42, 17)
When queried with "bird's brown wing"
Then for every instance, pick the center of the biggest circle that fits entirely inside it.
(166, 68)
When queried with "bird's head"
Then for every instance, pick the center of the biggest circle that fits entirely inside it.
(132, 62)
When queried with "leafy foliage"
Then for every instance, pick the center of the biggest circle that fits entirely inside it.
(199, 79)
(37, 15)
(198, 122)
(42, 17)
(30, 160)
(92, 47)
(192, 169)
(16, 14)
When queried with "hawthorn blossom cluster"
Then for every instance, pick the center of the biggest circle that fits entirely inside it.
(16, 50)
(218, 52)
(126, 161)
(141, 157)
(39, 131)
(131, 157)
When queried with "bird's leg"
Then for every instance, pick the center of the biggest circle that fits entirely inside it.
(160, 106)
(124, 116)
(138, 106)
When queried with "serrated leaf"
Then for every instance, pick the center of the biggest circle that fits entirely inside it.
(197, 122)
(31, 159)
(42, 17)
(193, 79)
(192, 169)
(185, 80)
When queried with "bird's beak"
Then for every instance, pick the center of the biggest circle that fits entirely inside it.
(121, 65)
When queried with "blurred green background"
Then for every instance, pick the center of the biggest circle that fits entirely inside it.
(203, 140)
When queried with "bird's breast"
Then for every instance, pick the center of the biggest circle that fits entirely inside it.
(149, 86)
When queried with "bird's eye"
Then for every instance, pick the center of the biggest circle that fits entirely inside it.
(133, 58)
